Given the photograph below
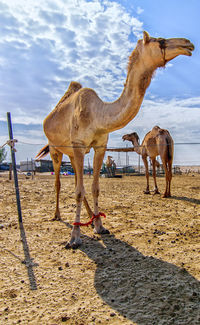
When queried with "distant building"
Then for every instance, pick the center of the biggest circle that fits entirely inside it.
(27, 166)
(4, 166)
(43, 166)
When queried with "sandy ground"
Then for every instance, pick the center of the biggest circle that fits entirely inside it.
(146, 271)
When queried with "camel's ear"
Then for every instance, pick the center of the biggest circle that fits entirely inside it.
(146, 37)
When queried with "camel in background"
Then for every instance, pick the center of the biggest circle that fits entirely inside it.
(81, 121)
(157, 142)
(110, 166)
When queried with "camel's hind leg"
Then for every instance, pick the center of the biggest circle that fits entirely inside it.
(144, 158)
(167, 159)
(98, 160)
(56, 157)
(154, 176)
(167, 179)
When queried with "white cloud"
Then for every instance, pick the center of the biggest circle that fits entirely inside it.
(139, 10)
(180, 116)
(47, 44)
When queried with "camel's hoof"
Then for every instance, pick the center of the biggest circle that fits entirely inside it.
(146, 192)
(105, 231)
(74, 243)
(156, 192)
(72, 246)
(102, 231)
(56, 218)
(166, 195)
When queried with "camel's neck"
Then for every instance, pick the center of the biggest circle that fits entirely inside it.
(122, 111)
(137, 147)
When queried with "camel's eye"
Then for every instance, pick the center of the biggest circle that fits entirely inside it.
(162, 43)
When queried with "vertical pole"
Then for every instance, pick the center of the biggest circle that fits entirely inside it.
(89, 167)
(14, 168)
(139, 159)
(10, 172)
(28, 260)
(32, 168)
(139, 163)
(126, 160)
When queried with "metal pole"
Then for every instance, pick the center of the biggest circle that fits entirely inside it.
(139, 163)
(28, 260)
(139, 159)
(14, 167)
(126, 160)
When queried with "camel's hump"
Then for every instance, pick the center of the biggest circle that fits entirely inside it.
(73, 87)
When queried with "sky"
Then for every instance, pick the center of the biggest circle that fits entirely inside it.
(45, 44)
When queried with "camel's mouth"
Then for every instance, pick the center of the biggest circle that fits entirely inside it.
(187, 49)
(124, 138)
(177, 46)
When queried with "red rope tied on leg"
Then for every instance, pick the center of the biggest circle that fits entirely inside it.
(90, 221)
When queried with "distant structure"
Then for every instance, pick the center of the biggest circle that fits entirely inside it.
(119, 160)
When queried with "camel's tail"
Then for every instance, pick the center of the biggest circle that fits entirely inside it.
(169, 148)
(43, 152)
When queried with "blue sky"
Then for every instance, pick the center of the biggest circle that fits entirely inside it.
(46, 44)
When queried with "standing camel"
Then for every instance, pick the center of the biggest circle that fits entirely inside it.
(81, 121)
(110, 166)
(157, 142)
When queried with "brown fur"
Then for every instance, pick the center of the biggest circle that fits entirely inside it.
(145, 81)
(73, 87)
(156, 142)
(133, 58)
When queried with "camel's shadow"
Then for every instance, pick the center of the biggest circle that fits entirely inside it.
(185, 198)
(143, 289)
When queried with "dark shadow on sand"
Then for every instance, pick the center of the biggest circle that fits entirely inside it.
(143, 289)
(185, 198)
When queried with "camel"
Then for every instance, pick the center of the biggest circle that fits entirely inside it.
(81, 121)
(157, 142)
(110, 166)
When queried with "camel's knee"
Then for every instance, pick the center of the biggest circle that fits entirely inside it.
(79, 195)
(95, 191)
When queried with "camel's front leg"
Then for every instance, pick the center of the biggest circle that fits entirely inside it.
(75, 240)
(56, 157)
(89, 211)
(98, 160)
(144, 158)
(154, 176)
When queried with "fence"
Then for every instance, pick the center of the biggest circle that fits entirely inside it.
(186, 159)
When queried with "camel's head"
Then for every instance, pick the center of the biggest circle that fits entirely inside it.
(131, 137)
(156, 52)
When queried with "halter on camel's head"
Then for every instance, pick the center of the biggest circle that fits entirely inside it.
(156, 52)
(131, 137)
